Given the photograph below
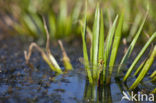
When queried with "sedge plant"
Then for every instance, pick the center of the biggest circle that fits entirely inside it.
(103, 52)
(98, 54)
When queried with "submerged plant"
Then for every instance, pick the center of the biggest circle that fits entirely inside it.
(47, 55)
(103, 52)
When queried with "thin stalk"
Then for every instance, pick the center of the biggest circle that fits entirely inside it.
(144, 70)
(115, 47)
(44, 56)
(139, 56)
(51, 57)
(131, 47)
(66, 59)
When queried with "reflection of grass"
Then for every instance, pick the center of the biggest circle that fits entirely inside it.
(103, 53)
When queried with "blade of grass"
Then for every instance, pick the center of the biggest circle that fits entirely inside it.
(76, 11)
(153, 79)
(39, 24)
(85, 53)
(52, 25)
(62, 17)
(131, 47)
(101, 45)
(139, 56)
(108, 46)
(134, 28)
(95, 40)
(109, 41)
(153, 74)
(115, 47)
(139, 68)
(144, 70)
(101, 39)
(30, 25)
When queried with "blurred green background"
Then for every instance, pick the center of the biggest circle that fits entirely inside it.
(24, 17)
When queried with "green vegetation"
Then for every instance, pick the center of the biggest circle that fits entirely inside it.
(98, 54)
(103, 52)
(69, 19)
(144, 69)
(139, 56)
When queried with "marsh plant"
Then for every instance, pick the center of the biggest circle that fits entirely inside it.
(47, 55)
(104, 49)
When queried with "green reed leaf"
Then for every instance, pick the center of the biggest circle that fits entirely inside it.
(139, 56)
(131, 47)
(95, 40)
(139, 68)
(109, 41)
(116, 43)
(101, 38)
(145, 69)
(85, 53)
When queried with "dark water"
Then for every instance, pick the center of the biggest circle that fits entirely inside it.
(20, 83)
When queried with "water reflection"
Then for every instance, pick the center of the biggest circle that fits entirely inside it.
(97, 94)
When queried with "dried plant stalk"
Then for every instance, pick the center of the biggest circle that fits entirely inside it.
(66, 59)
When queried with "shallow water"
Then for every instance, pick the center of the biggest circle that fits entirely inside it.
(20, 83)
(67, 88)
